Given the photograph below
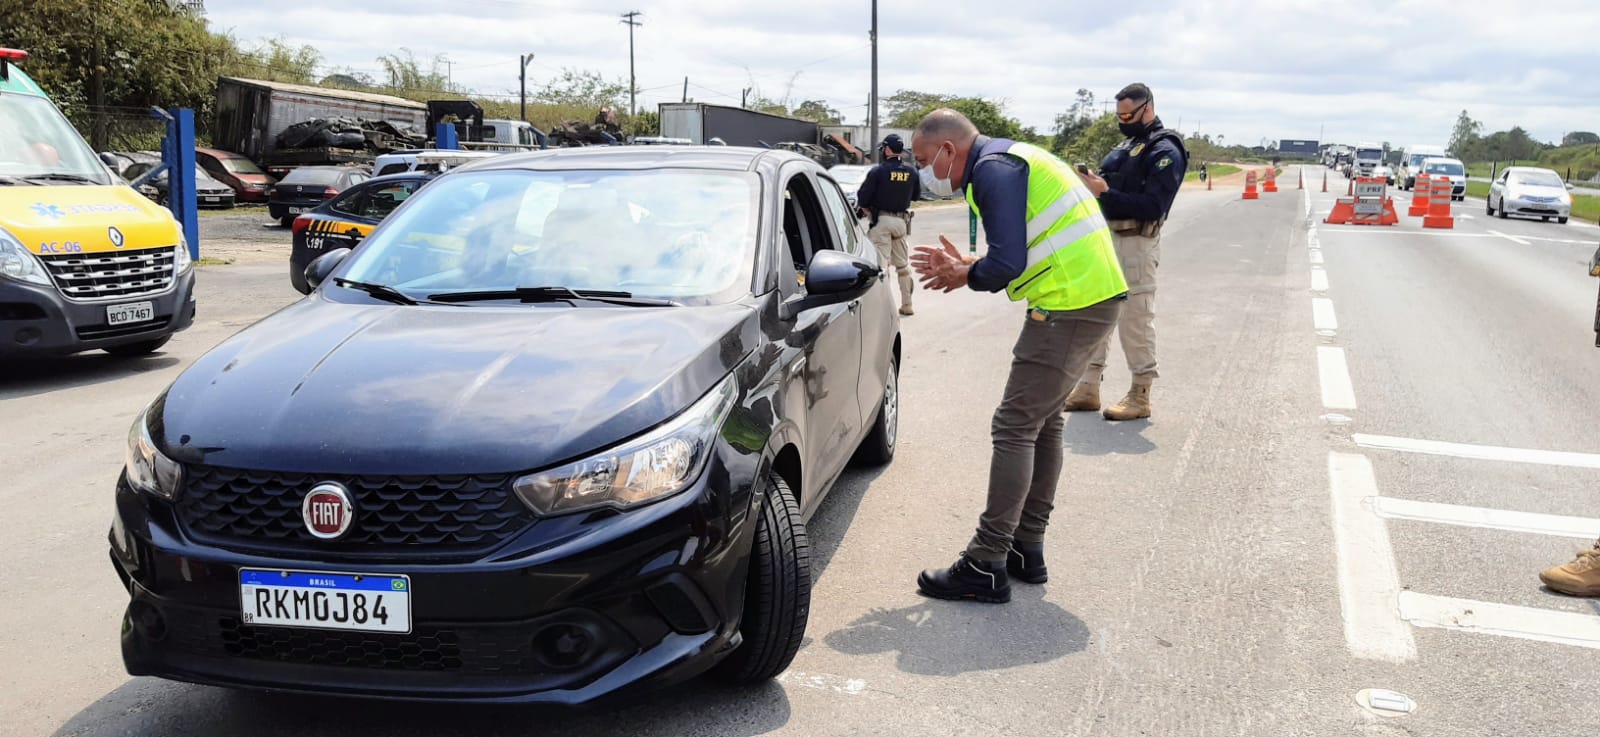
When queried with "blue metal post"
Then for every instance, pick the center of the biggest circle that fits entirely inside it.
(445, 137)
(177, 152)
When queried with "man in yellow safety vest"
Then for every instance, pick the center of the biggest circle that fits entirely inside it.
(1048, 246)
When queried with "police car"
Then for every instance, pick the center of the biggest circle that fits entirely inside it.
(344, 221)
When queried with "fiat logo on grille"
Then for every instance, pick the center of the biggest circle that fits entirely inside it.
(327, 511)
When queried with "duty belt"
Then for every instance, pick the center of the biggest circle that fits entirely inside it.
(897, 213)
(1125, 227)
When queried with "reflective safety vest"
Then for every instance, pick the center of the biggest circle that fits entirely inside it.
(1072, 260)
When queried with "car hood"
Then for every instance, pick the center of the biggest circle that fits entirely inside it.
(328, 387)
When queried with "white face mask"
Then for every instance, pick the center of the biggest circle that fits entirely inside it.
(938, 186)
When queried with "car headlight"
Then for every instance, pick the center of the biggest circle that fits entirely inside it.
(149, 471)
(16, 262)
(654, 466)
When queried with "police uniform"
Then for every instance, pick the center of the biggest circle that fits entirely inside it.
(886, 194)
(1143, 174)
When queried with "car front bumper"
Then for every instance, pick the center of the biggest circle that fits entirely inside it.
(571, 610)
(1539, 209)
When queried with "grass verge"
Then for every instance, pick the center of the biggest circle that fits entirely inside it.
(1220, 170)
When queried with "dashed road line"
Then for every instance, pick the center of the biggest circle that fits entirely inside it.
(1554, 525)
(1478, 452)
(1319, 280)
(1512, 238)
(1506, 620)
(1322, 315)
(1334, 373)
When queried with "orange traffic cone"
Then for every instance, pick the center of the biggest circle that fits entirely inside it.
(1439, 206)
(1302, 179)
(1250, 192)
(1421, 197)
(1271, 184)
(1324, 180)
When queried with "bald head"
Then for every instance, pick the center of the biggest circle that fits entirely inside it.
(943, 140)
(945, 124)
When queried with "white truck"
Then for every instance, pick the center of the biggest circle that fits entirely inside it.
(1367, 157)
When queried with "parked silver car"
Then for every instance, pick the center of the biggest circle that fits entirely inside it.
(1528, 190)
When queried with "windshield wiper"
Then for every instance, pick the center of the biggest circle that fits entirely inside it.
(61, 178)
(529, 295)
(381, 291)
(17, 180)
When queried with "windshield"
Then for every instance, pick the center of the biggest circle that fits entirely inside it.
(36, 140)
(676, 234)
(1536, 179)
(851, 178)
(240, 165)
(1446, 167)
(1369, 153)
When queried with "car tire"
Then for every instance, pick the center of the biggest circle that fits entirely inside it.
(297, 279)
(877, 448)
(1545, 218)
(286, 221)
(142, 348)
(1501, 213)
(777, 598)
(1488, 207)
(1562, 221)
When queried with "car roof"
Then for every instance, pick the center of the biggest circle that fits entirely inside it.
(1526, 169)
(725, 158)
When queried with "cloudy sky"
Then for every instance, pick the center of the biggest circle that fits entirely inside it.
(1250, 70)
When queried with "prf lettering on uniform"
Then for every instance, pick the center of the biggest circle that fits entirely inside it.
(899, 176)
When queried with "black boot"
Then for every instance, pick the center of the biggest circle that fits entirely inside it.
(967, 579)
(1025, 562)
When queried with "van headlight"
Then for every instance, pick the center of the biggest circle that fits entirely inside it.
(148, 470)
(182, 260)
(656, 465)
(16, 262)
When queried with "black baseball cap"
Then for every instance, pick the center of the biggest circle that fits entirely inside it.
(893, 143)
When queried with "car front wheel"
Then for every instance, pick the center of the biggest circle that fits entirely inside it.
(777, 598)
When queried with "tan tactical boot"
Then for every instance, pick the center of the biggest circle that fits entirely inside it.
(1132, 407)
(1581, 577)
(1085, 397)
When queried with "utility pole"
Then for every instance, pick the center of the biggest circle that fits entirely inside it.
(449, 73)
(685, 89)
(630, 19)
(744, 97)
(528, 57)
(872, 112)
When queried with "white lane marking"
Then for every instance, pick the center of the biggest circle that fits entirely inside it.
(1465, 216)
(1555, 525)
(1334, 372)
(1319, 280)
(1322, 314)
(1316, 256)
(1506, 620)
(1479, 452)
(1512, 238)
(1369, 585)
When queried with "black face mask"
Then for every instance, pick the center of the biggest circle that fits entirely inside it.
(1134, 129)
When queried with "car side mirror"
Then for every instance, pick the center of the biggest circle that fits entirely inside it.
(319, 270)
(832, 277)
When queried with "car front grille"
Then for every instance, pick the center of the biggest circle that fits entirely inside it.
(394, 516)
(466, 650)
(112, 275)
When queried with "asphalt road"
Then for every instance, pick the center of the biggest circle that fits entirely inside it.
(1218, 570)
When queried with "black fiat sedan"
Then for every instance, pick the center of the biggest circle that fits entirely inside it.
(551, 433)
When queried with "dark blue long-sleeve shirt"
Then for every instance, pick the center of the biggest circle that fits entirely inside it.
(999, 184)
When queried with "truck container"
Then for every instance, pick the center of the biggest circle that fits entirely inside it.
(700, 122)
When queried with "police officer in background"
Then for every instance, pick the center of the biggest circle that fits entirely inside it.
(1141, 177)
(885, 197)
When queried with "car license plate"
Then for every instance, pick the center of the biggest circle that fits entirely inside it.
(334, 601)
(297, 211)
(213, 199)
(130, 313)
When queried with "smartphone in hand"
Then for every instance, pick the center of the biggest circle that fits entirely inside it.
(1082, 168)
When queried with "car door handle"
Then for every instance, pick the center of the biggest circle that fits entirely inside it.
(855, 306)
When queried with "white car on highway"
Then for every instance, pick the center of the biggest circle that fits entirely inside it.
(1437, 168)
(1382, 171)
(1528, 190)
